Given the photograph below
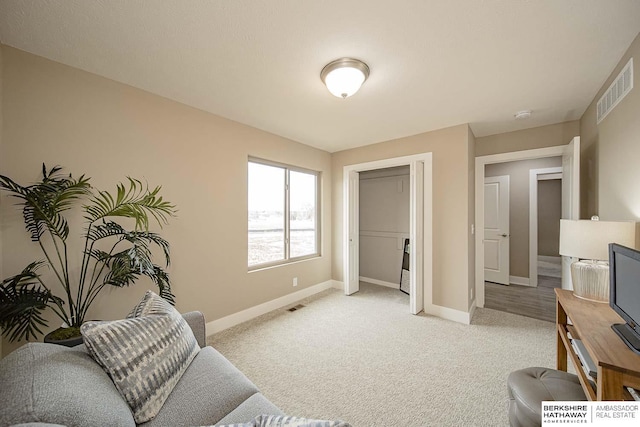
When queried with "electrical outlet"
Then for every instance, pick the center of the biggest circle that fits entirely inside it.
(471, 293)
(295, 281)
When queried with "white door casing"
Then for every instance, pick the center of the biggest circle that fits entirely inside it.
(416, 228)
(421, 225)
(352, 246)
(570, 197)
(481, 162)
(496, 229)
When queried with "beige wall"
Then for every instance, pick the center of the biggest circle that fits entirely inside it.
(549, 212)
(450, 148)
(528, 139)
(589, 163)
(518, 173)
(611, 150)
(61, 115)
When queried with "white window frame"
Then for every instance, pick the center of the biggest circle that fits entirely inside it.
(287, 214)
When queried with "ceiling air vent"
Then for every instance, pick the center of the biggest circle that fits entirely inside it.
(620, 87)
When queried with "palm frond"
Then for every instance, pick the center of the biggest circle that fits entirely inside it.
(141, 238)
(128, 265)
(121, 272)
(13, 187)
(22, 300)
(43, 203)
(104, 230)
(28, 200)
(135, 201)
(161, 279)
(99, 255)
(54, 195)
(140, 258)
(66, 191)
(110, 229)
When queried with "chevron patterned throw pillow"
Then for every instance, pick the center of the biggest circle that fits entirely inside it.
(145, 354)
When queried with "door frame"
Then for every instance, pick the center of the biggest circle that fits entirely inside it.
(534, 177)
(481, 162)
(420, 224)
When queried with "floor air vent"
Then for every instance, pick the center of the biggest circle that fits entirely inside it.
(296, 307)
(620, 87)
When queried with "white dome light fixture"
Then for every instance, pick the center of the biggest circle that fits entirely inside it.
(343, 77)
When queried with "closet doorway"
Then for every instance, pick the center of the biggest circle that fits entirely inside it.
(384, 227)
(420, 225)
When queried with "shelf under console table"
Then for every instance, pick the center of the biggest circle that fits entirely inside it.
(617, 366)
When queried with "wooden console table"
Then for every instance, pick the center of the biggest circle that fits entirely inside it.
(617, 366)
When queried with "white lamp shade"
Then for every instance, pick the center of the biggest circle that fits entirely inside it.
(588, 239)
(344, 82)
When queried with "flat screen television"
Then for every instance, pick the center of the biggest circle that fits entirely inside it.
(624, 298)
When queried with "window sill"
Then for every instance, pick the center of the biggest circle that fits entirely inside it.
(284, 264)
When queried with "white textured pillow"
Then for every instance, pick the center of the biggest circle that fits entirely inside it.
(145, 355)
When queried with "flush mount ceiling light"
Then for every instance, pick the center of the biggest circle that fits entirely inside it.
(343, 77)
(521, 115)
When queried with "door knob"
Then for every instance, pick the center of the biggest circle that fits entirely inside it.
(504, 235)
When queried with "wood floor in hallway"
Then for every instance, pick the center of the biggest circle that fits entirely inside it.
(536, 302)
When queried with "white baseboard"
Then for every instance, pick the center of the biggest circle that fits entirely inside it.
(337, 284)
(380, 282)
(522, 281)
(449, 313)
(434, 310)
(258, 310)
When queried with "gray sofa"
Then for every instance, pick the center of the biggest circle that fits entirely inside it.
(50, 384)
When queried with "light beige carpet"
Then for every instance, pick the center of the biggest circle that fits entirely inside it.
(366, 360)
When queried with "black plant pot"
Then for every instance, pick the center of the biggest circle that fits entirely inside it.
(67, 342)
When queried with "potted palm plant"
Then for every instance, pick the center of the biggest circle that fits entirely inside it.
(112, 255)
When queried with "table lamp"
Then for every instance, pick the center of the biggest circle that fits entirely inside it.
(588, 240)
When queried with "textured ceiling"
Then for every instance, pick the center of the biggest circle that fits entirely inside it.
(434, 63)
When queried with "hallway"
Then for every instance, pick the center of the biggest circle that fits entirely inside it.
(536, 302)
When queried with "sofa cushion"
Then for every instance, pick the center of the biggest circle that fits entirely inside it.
(145, 356)
(210, 389)
(254, 405)
(52, 384)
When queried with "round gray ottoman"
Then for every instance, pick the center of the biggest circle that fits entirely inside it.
(529, 387)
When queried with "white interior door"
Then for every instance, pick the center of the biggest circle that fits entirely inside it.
(351, 269)
(496, 229)
(570, 197)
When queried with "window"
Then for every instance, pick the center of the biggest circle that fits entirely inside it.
(283, 213)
